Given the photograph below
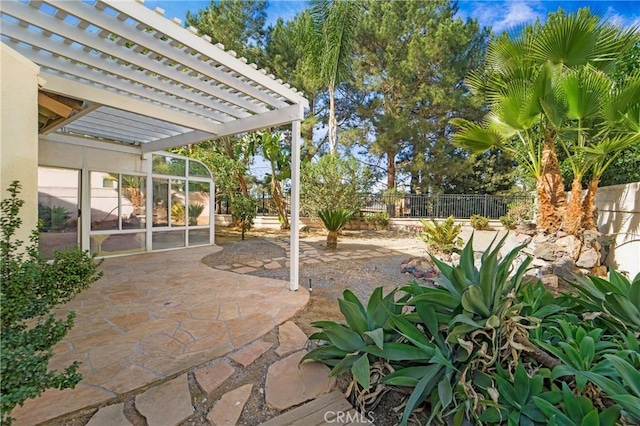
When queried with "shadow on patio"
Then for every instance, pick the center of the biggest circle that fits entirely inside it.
(153, 316)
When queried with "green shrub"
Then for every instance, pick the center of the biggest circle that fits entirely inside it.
(490, 346)
(30, 288)
(195, 210)
(443, 237)
(479, 222)
(508, 221)
(243, 210)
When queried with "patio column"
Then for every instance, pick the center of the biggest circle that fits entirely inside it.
(294, 261)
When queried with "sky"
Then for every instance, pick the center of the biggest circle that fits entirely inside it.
(501, 15)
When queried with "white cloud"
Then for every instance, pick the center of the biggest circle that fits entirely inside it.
(613, 16)
(503, 15)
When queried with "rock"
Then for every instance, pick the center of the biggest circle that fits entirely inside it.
(588, 258)
(565, 268)
(600, 271)
(250, 353)
(568, 246)
(112, 415)
(550, 281)
(168, 403)
(291, 338)
(455, 259)
(545, 251)
(228, 409)
(541, 238)
(289, 384)
(589, 237)
(212, 376)
(522, 238)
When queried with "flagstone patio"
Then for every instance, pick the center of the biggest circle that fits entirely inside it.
(152, 317)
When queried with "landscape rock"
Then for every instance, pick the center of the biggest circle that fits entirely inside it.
(250, 353)
(545, 251)
(588, 258)
(568, 246)
(565, 268)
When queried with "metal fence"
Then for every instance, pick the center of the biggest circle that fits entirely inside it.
(461, 206)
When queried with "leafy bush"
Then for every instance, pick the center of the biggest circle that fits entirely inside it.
(443, 237)
(243, 210)
(334, 221)
(178, 213)
(30, 288)
(489, 345)
(333, 183)
(508, 221)
(479, 222)
(518, 213)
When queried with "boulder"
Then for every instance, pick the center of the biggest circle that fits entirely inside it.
(545, 251)
(566, 268)
(588, 258)
(568, 246)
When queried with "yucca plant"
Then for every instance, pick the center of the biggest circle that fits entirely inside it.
(443, 237)
(334, 220)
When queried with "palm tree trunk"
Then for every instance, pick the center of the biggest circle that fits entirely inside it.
(332, 239)
(589, 214)
(550, 188)
(573, 219)
(333, 123)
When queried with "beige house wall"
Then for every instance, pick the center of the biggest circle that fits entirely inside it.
(19, 132)
(619, 216)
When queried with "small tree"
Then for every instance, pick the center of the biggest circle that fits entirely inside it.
(243, 211)
(333, 183)
(31, 288)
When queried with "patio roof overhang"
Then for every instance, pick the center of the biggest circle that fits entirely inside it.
(115, 70)
(141, 79)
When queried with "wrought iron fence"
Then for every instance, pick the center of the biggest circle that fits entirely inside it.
(461, 206)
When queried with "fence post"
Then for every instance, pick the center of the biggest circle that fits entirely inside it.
(486, 197)
(437, 205)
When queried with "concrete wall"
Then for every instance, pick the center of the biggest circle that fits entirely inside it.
(619, 217)
(19, 132)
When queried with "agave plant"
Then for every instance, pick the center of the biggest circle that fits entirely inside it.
(334, 221)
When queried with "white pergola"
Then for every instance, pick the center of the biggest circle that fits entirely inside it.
(114, 70)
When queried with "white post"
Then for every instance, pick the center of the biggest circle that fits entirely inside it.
(294, 261)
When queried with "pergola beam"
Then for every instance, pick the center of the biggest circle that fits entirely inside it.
(91, 93)
(273, 118)
(178, 140)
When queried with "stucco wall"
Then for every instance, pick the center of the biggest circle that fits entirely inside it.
(619, 216)
(19, 132)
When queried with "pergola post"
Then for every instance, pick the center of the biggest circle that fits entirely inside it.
(294, 261)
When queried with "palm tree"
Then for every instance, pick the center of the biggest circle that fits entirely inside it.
(549, 86)
(336, 23)
(334, 220)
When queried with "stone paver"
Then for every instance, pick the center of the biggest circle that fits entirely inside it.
(166, 404)
(228, 409)
(155, 315)
(212, 376)
(244, 270)
(291, 338)
(112, 415)
(250, 353)
(288, 385)
(272, 265)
